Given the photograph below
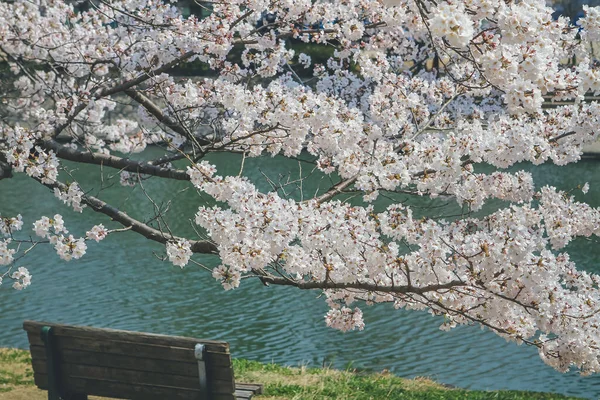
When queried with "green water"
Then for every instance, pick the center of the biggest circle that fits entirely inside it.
(121, 283)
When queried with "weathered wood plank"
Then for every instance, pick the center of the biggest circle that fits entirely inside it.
(165, 376)
(120, 347)
(216, 387)
(125, 336)
(141, 351)
(121, 375)
(243, 394)
(125, 362)
(255, 388)
(220, 379)
(40, 380)
(107, 388)
(82, 355)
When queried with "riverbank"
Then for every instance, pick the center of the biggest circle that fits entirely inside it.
(286, 383)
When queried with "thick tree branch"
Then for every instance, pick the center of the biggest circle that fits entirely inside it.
(361, 285)
(198, 246)
(125, 164)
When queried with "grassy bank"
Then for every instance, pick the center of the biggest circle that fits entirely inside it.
(283, 383)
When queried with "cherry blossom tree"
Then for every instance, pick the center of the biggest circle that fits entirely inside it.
(414, 96)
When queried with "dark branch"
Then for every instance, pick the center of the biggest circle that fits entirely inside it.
(564, 135)
(361, 285)
(125, 164)
(198, 246)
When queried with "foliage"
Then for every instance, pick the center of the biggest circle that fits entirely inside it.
(405, 99)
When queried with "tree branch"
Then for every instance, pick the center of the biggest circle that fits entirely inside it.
(161, 117)
(198, 246)
(335, 190)
(121, 88)
(564, 135)
(328, 284)
(125, 164)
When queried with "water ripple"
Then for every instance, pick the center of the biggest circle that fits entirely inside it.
(127, 287)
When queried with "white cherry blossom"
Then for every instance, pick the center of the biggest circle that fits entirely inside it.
(22, 278)
(97, 233)
(179, 252)
(384, 100)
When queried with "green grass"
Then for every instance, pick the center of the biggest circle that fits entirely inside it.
(15, 368)
(287, 383)
(324, 383)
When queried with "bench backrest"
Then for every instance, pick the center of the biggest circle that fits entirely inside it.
(131, 365)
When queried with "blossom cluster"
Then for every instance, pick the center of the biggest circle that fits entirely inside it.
(21, 277)
(228, 277)
(414, 98)
(451, 22)
(25, 156)
(6, 253)
(67, 247)
(42, 226)
(71, 197)
(497, 262)
(345, 319)
(179, 252)
(97, 233)
(8, 225)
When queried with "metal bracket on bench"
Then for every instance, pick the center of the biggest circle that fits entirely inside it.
(200, 353)
(54, 389)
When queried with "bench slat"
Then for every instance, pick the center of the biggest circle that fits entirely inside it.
(243, 394)
(125, 362)
(111, 346)
(253, 387)
(121, 375)
(107, 388)
(125, 336)
(220, 379)
(140, 351)
(220, 388)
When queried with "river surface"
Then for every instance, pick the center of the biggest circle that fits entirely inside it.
(121, 283)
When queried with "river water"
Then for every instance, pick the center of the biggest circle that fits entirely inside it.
(121, 283)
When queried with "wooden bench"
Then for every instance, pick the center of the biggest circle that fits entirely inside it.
(72, 362)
